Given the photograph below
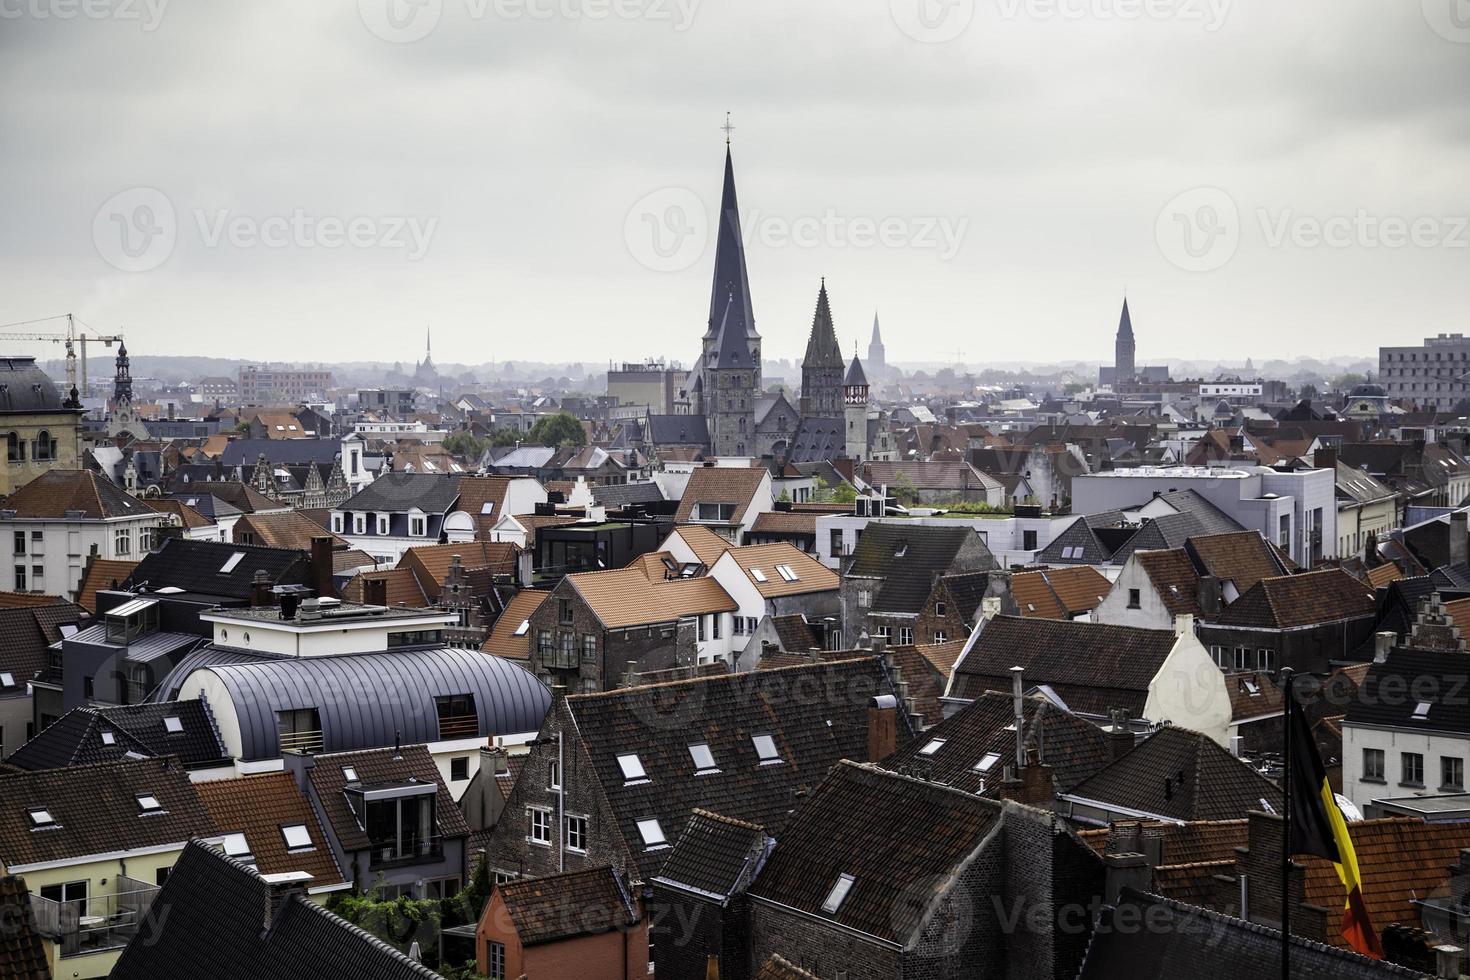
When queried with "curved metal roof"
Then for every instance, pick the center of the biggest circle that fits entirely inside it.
(24, 387)
(369, 700)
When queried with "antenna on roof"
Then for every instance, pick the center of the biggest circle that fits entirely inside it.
(397, 744)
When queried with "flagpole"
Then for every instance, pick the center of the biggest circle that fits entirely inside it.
(1286, 675)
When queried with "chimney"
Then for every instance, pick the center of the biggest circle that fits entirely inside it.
(1210, 599)
(1325, 458)
(1184, 624)
(990, 607)
(493, 762)
(1120, 735)
(320, 566)
(882, 727)
(1125, 871)
(260, 588)
(1448, 961)
(1237, 745)
(1459, 539)
(1018, 707)
(280, 893)
(1383, 642)
(375, 590)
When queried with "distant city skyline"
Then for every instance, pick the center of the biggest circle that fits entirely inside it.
(991, 185)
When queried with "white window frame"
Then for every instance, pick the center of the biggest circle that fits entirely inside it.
(568, 833)
(538, 818)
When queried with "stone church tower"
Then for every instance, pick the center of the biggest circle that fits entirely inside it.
(730, 364)
(1124, 348)
(855, 409)
(821, 368)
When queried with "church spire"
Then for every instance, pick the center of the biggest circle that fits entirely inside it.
(731, 316)
(1125, 348)
(877, 336)
(822, 349)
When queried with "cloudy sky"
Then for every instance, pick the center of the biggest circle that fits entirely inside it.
(535, 178)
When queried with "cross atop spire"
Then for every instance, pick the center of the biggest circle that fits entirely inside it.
(728, 128)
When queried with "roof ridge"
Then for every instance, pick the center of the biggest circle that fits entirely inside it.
(721, 818)
(621, 691)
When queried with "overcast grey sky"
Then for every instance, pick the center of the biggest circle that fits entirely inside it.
(533, 178)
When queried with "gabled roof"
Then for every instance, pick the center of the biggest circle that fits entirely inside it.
(715, 855)
(725, 713)
(27, 632)
(1242, 557)
(735, 485)
(221, 926)
(1307, 599)
(431, 563)
(1059, 593)
(1092, 666)
(210, 567)
(291, 529)
(1385, 697)
(404, 588)
(510, 637)
(907, 557)
(806, 573)
(678, 430)
(982, 734)
(73, 495)
(1078, 544)
(1178, 774)
(627, 597)
(242, 497)
(398, 493)
(410, 763)
(258, 807)
(568, 905)
(96, 811)
(706, 544)
(186, 516)
(76, 738)
(897, 839)
(246, 452)
(1174, 579)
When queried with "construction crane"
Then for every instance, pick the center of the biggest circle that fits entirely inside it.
(70, 338)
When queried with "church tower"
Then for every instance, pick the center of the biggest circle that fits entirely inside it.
(855, 409)
(124, 419)
(1124, 368)
(821, 368)
(730, 365)
(877, 356)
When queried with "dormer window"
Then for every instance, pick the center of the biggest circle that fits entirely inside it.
(40, 818)
(838, 893)
(632, 767)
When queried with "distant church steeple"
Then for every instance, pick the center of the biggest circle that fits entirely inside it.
(122, 381)
(877, 356)
(1124, 348)
(821, 368)
(730, 364)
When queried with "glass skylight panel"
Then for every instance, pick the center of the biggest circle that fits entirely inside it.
(7, 680)
(522, 629)
(41, 817)
(987, 762)
(236, 846)
(837, 894)
(108, 738)
(296, 836)
(231, 562)
(632, 767)
(758, 575)
(932, 746)
(704, 759)
(765, 747)
(786, 573)
(173, 724)
(1421, 711)
(651, 832)
(349, 774)
(148, 803)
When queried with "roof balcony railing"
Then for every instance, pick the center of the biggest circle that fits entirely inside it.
(459, 726)
(302, 741)
(408, 850)
(98, 923)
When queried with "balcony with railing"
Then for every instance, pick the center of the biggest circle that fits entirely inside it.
(459, 726)
(310, 741)
(98, 923)
(409, 849)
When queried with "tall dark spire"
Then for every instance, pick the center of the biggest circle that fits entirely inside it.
(822, 349)
(122, 381)
(1125, 348)
(731, 316)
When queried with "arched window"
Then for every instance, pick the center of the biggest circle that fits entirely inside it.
(45, 445)
(15, 450)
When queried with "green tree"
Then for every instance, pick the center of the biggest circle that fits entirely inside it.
(505, 437)
(465, 444)
(843, 493)
(1308, 392)
(1073, 388)
(561, 429)
(903, 488)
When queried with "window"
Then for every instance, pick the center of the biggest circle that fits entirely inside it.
(589, 646)
(148, 803)
(758, 575)
(1028, 540)
(337, 523)
(109, 738)
(932, 746)
(787, 574)
(1135, 599)
(632, 767)
(72, 891)
(173, 725)
(837, 894)
(231, 563)
(543, 642)
(540, 825)
(20, 542)
(652, 833)
(359, 523)
(382, 524)
(41, 817)
(416, 526)
(1284, 537)
(553, 775)
(237, 847)
(1421, 711)
(939, 607)
(884, 633)
(940, 636)
(905, 636)
(704, 759)
(7, 679)
(297, 837)
(349, 774)
(459, 767)
(1411, 769)
(457, 716)
(45, 445)
(836, 542)
(699, 623)
(89, 688)
(1451, 773)
(15, 449)
(865, 598)
(714, 512)
(564, 611)
(576, 833)
(987, 762)
(765, 748)
(122, 542)
(495, 961)
(20, 578)
(714, 626)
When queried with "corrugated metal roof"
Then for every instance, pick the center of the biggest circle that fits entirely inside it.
(370, 700)
(132, 606)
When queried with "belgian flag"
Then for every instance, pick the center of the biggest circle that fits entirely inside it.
(1318, 828)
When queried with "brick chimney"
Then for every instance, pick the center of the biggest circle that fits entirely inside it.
(321, 566)
(375, 591)
(260, 589)
(1325, 458)
(882, 727)
(1120, 735)
(1125, 870)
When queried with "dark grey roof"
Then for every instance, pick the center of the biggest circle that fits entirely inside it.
(246, 452)
(1189, 941)
(678, 430)
(149, 646)
(76, 738)
(907, 557)
(397, 493)
(170, 687)
(199, 568)
(822, 349)
(1079, 544)
(855, 375)
(1171, 531)
(818, 439)
(1212, 519)
(715, 855)
(220, 926)
(25, 388)
(1383, 699)
(369, 700)
(731, 315)
(207, 504)
(623, 494)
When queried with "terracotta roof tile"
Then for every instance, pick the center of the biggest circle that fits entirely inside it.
(706, 544)
(567, 905)
(720, 485)
(785, 522)
(626, 597)
(403, 587)
(56, 493)
(1301, 600)
(283, 529)
(258, 807)
(101, 573)
(1174, 578)
(809, 575)
(1252, 695)
(411, 762)
(1243, 557)
(22, 951)
(1080, 588)
(1383, 575)
(503, 641)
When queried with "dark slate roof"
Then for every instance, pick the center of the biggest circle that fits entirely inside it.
(568, 905)
(368, 700)
(795, 633)
(26, 389)
(207, 504)
(220, 926)
(855, 375)
(246, 452)
(907, 557)
(678, 430)
(817, 439)
(96, 810)
(1171, 531)
(1078, 544)
(966, 591)
(1287, 601)
(397, 493)
(822, 349)
(661, 721)
(716, 856)
(896, 836)
(623, 494)
(25, 634)
(1074, 748)
(731, 315)
(1091, 666)
(410, 763)
(1212, 520)
(198, 567)
(1386, 696)
(1189, 941)
(1178, 774)
(22, 951)
(75, 739)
